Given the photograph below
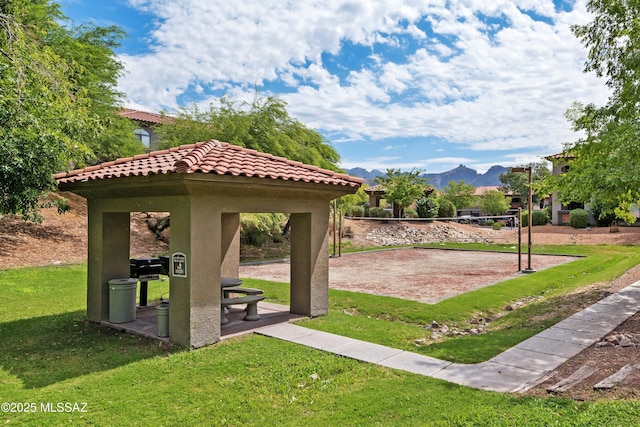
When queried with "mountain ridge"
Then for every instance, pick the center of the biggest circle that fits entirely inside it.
(440, 180)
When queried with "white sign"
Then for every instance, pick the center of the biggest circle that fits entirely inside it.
(179, 265)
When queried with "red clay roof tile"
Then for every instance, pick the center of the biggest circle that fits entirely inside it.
(143, 116)
(210, 157)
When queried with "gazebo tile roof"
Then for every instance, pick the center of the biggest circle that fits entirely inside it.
(210, 157)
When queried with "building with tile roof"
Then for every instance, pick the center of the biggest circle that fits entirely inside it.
(146, 125)
(205, 187)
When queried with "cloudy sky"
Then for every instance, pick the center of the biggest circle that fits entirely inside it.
(410, 84)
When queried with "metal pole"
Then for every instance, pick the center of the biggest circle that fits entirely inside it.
(520, 239)
(530, 221)
(340, 234)
(334, 227)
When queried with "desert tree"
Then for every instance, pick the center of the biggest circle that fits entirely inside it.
(494, 202)
(517, 183)
(264, 124)
(402, 188)
(605, 164)
(56, 99)
(460, 194)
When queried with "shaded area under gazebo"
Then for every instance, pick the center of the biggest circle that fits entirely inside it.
(205, 187)
(146, 321)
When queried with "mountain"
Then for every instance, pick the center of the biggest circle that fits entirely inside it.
(440, 180)
(363, 173)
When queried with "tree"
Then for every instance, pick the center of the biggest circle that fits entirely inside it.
(518, 183)
(263, 125)
(89, 50)
(493, 202)
(348, 201)
(402, 188)
(460, 194)
(605, 164)
(52, 99)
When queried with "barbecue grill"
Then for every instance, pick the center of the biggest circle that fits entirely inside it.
(145, 269)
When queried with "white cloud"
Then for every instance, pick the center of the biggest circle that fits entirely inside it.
(475, 82)
(394, 147)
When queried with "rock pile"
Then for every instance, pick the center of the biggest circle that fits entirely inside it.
(622, 340)
(440, 331)
(400, 234)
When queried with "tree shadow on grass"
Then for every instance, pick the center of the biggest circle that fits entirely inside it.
(44, 350)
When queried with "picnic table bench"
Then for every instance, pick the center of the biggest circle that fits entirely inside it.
(251, 309)
(240, 290)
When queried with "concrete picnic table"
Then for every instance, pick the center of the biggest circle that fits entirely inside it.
(251, 299)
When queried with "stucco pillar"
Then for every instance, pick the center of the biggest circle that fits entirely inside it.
(194, 312)
(108, 257)
(230, 244)
(310, 262)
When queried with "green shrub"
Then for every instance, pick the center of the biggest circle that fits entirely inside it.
(578, 218)
(379, 213)
(63, 205)
(253, 236)
(427, 207)
(539, 218)
(356, 211)
(446, 209)
(496, 225)
(256, 229)
(410, 213)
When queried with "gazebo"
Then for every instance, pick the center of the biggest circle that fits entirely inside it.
(205, 187)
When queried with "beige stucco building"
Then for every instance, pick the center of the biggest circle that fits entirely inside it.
(205, 187)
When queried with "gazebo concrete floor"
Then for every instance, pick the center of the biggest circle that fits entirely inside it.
(145, 323)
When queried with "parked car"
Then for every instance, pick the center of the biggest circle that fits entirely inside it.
(467, 219)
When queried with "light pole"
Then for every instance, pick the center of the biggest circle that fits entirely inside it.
(529, 219)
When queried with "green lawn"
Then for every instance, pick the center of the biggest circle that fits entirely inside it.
(52, 355)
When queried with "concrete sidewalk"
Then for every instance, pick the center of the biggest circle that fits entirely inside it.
(516, 369)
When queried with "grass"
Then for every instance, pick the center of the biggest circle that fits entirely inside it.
(551, 295)
(51, 354)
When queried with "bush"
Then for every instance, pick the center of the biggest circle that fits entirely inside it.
(356, 211)
(578, 218)
(410, 213)
(379, 213)
(253, 236)
(446, 209)
(539, 218)
(496, 225)
(427, 207)
(256, 229)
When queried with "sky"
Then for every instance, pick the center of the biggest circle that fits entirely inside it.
(405, 84)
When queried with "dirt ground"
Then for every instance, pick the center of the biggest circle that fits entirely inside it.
(424, 275)
(62, 239)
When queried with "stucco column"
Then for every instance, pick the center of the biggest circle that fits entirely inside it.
(194, 312)
(108, 257)
(310, 262)
(230, 244)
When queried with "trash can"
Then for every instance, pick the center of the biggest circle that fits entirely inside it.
(162, 317)
(122, 300)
